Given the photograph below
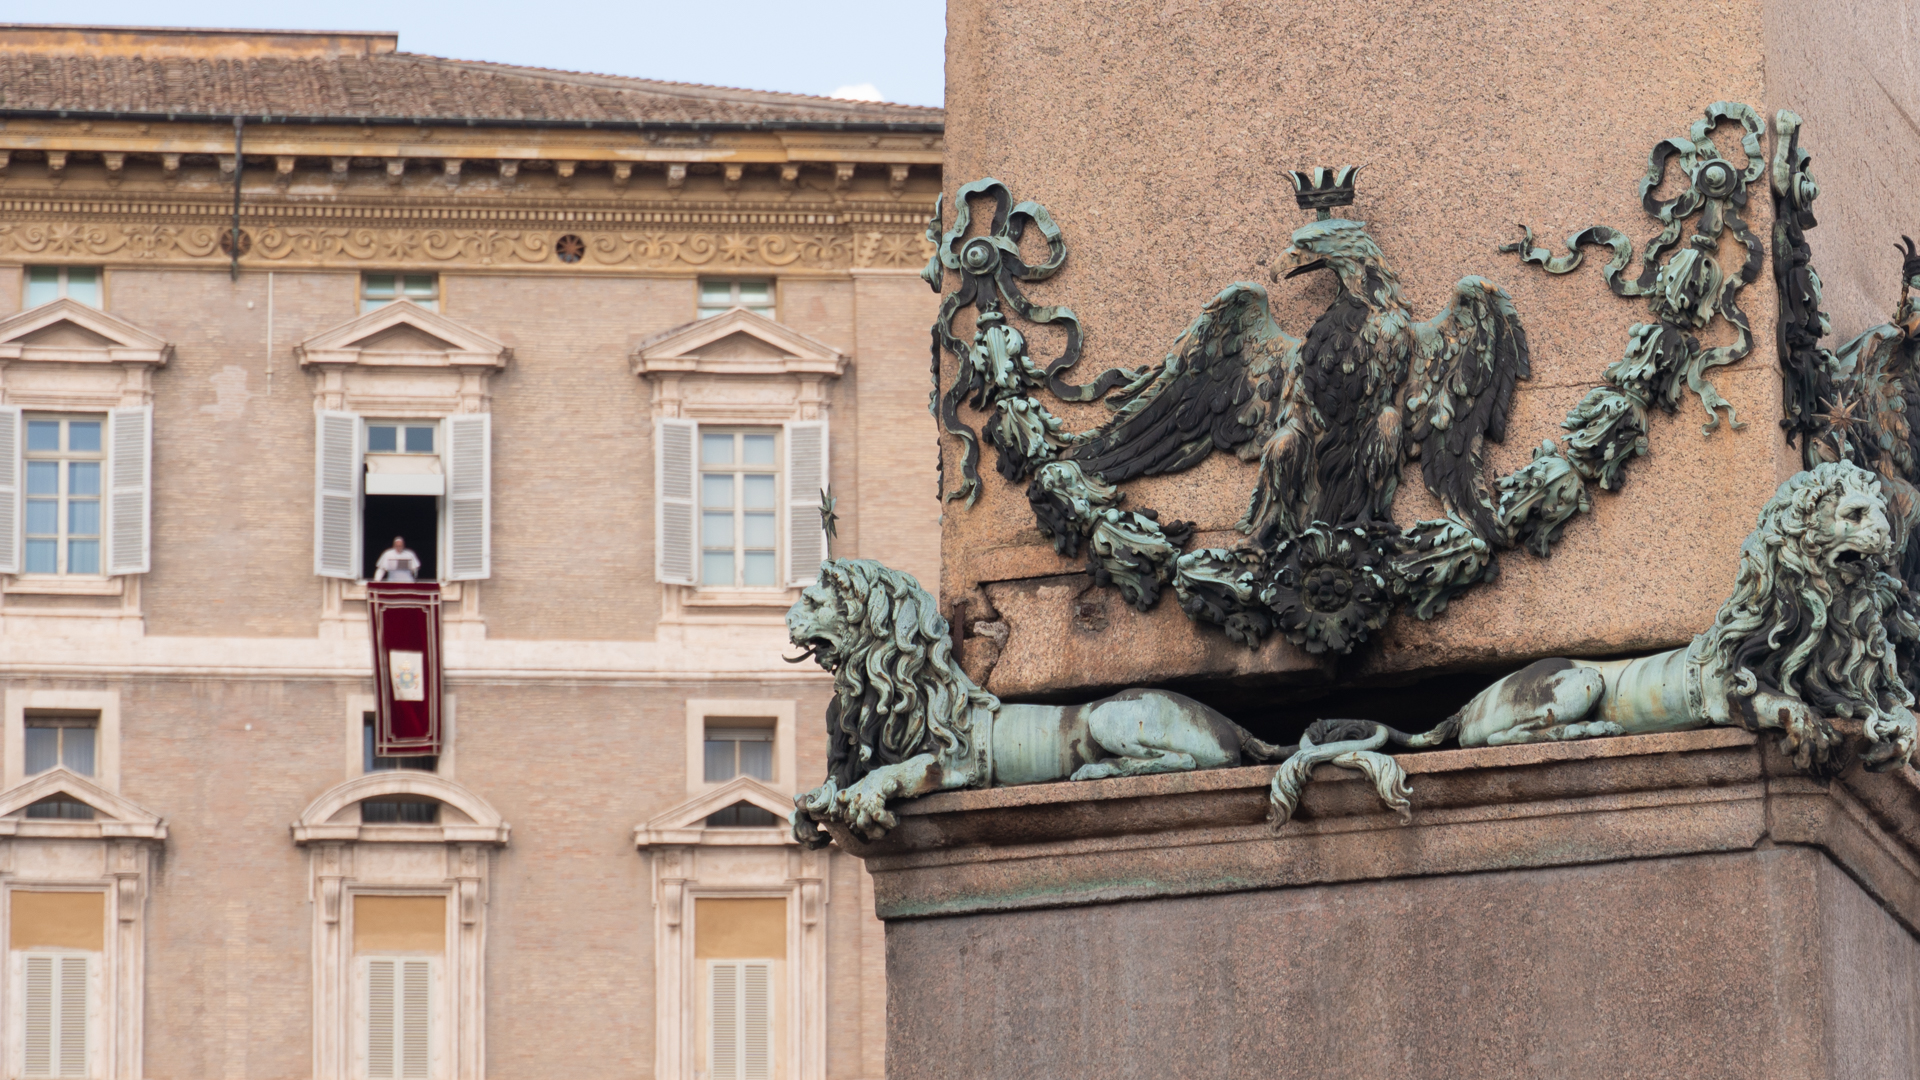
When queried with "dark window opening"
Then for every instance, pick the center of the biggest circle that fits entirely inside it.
(371, 762)
(59, 806)
(415, 517)
(400, 810)
(741, 815)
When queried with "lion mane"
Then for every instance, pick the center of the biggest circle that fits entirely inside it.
(1797, 626)
(897, 690)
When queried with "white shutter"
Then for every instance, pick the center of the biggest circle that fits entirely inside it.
(336, 490)
(756, 1022)
(675, 471)
(129, 491)
(416, 1001)
(740, 1020)
(469, 480)
(55, 997)
(806, 479)
(9, 489)
(380, 1019)
(399, 1019)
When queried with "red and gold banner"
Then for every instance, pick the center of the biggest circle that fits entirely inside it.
(406, 667)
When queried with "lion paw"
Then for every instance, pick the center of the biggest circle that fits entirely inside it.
(864, 806)
(1894, 738)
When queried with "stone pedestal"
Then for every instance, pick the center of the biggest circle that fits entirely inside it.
(1159, 136)
(1681, 906)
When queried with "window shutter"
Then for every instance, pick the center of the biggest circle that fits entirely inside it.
(469, 461)
(399, 1019)
(756, 1022)
(740, 1020)
(336, 515)
(674, 476)
(38, 1024)
(129, 495)
(380, 1019)
(54, 1015)
(9, 489)
(415, 1011)
(806, 479)
(723, 1061)
(73, 1016)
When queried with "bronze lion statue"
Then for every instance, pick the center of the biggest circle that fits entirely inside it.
(906, 720)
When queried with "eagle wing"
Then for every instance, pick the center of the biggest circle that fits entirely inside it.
(1214, 391)
(1465, 363)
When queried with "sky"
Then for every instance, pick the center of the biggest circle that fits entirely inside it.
(891, 50)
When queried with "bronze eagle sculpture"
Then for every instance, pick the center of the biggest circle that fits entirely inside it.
(1335, 415)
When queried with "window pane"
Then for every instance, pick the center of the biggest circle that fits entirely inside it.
(716, 531)
(756, 759)
(716, 449)
(716, 294)
(42, 749)
(758, 449)
(716, 491)
(756, 292)
(759, 531)
(83, 556)
(76, 750)
(83, 517)
(382, 439)
(43, 285)
(716, 567)
(83, 435)
(719, 760)
(419, 440)
(377, 286)
(83, 478)
(83, 285)
(43, 478)
(43, 517)
(43, 434)
(43, 556)
(759, 569)
(422, 285)
(758, 491)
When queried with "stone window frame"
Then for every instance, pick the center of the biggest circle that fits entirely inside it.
(69, 379)
(104, 704)
(348, 859)
(689, 861)
(401, 385)
(736, 392)
(359, 705)
(36, 856)
(783, 712)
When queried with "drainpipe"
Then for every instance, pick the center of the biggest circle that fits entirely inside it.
(239, 167)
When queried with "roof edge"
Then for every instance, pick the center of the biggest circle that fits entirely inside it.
(76, 39)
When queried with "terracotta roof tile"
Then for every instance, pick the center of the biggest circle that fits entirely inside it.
(400, 85)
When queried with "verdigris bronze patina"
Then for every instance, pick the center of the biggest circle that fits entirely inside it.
(1808, 635)
(1333, 417)
(906, 721)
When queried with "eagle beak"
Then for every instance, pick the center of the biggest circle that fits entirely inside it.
(1300, 260)
(1307, 268)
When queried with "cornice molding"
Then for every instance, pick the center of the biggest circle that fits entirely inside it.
(660, 234)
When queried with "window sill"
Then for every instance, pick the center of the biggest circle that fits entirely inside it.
(357, 590)
(739, 598)
(65, 585)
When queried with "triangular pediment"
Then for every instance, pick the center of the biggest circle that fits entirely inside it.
(67, 330)
(687, 822)
(403, 334)
(736, 342)
(113, 815)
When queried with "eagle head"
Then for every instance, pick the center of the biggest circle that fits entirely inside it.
(1333, 244)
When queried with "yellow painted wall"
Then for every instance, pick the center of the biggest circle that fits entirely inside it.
(743, 929)
(59, 920)
(385, 924)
